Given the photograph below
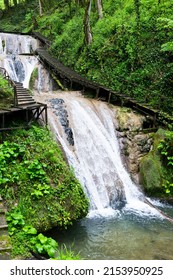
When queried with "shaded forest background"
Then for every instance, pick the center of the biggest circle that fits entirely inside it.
(126, 45)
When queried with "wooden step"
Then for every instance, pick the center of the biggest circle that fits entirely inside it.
(2, 211)
(25, 98)
(26, 103)
(5, 249)
(23, 94)
(18, 84)
(3, 227)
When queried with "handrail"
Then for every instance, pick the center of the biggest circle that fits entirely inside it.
(5, 74)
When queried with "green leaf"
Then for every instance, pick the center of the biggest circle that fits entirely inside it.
(42, 238)
(39, 248)
(53, 243)
(168, 191)
(30, 230)
(51, 252)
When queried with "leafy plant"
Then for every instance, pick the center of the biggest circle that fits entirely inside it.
(29, 230)
(15, 220)
(35, 170)
(168, 187)
(166, 148)
(44, 245)
(41, 190)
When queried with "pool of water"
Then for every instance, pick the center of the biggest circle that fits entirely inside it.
(124, 236)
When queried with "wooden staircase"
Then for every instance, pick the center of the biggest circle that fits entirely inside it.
(23, 97)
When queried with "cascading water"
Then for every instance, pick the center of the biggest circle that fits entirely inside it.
(86, 131)
(16, 57)
(94, 149)
(95, 155)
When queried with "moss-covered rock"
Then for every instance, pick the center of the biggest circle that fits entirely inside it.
(151, 176)
(155, 175)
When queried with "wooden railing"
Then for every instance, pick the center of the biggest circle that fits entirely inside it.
(5, 74)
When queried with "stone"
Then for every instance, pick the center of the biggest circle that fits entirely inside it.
(151, 173)
(133, 142)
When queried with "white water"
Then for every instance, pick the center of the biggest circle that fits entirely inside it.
(16, 57)
(96, 158)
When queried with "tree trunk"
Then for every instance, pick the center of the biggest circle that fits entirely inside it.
(40, 7)
(99, 8)
(15, 2)
(87, 27)
(6, 4)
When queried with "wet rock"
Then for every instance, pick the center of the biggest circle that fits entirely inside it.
(19, 69)
(133, 142)
(70, 138)
(58, 104)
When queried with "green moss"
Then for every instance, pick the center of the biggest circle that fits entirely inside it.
(151, 174)
(154, 173)
(34, 76)
(5, 241)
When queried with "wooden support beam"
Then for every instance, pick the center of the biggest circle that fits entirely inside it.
(3, 120)
(27, 117)
(97, 93)
(109, 97)
(46, 118)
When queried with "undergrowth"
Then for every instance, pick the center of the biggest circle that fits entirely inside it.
(40, 189)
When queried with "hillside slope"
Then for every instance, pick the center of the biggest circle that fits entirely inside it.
(131, 49)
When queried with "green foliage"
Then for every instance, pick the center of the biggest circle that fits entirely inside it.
(44, 245)
(29, 230)
(15, 221)
(165, 148)
(156, 167)
(41, 190)
(1, 3)
(6, 93)
(66, 254)
(35, 178)
(131, 50)
(35, 170)
(5, 89)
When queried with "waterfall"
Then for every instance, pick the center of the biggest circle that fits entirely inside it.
(95, 155)
(86, 131)
(16, 56)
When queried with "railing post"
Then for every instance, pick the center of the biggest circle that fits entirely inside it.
(15, 96)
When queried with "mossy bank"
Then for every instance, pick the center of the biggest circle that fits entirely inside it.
(38, 186)
(156, 167)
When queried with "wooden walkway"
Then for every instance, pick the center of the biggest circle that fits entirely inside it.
(72, 80)
(24, 108)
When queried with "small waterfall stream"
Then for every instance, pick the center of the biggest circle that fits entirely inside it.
(16, 56)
